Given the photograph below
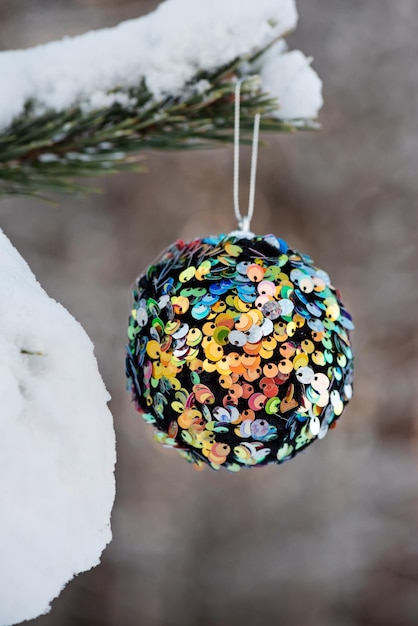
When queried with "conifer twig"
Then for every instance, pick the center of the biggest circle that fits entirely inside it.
(43, 153)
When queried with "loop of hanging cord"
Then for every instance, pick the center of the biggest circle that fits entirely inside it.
(244, 221)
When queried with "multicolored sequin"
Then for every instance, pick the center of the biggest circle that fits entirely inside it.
(239, 351)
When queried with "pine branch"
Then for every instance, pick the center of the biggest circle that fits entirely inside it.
(43, 153)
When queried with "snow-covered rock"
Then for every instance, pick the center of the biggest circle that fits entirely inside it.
(166, 48)
(57, 446)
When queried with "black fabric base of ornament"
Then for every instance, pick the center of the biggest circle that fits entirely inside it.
(239, 351)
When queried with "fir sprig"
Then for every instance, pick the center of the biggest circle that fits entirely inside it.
(43, 153)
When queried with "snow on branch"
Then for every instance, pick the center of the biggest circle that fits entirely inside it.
(81, 105)
(57, 446)
(166, 48)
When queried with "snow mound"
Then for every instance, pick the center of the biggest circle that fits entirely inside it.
(166, 48)
(57, 446)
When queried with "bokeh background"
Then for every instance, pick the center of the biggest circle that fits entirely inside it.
(331, 538)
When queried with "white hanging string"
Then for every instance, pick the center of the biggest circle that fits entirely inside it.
(244, 221)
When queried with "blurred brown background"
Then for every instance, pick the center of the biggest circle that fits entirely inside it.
(331, 538)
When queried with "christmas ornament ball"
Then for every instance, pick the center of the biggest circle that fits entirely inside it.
(239, 351)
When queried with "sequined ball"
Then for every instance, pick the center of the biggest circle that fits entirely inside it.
(239, 351)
